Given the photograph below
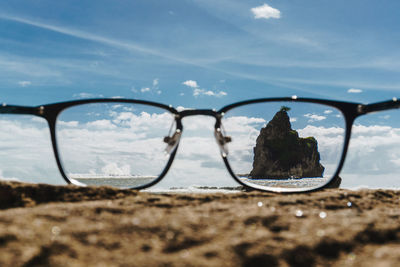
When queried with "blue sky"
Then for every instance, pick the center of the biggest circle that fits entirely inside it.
(202, 54)
(233, 50)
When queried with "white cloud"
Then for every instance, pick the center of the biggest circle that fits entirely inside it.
(112, 169)
(370, 130)
(181, 108)
(99, 124)
(24, 83)
(328, 111)
(265, 11)
(25, 147)
(117, 106)
(310, 130)
(142, 121)
(243, 124)
(87, 95)
(67, 124)
(354, 91)
(155, 82)
(373, 150)
(222, 93)
(191, 83)
(198, 92)
(153, 89)
(314, 117)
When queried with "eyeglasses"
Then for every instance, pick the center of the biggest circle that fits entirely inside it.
(271, 144)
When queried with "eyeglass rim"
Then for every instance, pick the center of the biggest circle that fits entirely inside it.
(179, 115)
(57, 109)
(346, 108)
(350, 111)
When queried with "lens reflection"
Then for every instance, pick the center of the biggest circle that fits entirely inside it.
(285, 146)
(116, 144)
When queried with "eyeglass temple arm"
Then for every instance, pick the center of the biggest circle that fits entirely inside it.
(379, 106)
(10, 109)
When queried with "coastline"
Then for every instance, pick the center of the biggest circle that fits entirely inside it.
(44, 225)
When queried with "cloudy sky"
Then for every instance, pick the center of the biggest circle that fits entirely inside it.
(195, 54)
(198, 52)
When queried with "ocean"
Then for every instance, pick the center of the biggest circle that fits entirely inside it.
(131, 182)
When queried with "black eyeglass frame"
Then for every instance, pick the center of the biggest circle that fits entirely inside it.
(350, 111)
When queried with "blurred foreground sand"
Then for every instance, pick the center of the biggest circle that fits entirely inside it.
(42, 225)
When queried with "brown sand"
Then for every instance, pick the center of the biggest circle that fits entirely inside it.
(42, 225)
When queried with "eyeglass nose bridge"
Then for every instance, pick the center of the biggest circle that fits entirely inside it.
(221, 139)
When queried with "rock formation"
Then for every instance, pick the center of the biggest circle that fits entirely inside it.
(280, 153)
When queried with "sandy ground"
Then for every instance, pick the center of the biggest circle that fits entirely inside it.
(42, 225)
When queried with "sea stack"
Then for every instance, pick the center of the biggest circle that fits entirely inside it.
(281, 154)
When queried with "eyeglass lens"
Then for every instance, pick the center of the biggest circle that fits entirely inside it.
(116, 144)
(284, 145)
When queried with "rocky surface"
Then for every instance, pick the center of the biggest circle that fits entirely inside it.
(280, 153)
(102, 226)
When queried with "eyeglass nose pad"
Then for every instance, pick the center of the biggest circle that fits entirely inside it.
(172, 141)
(222, 141)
